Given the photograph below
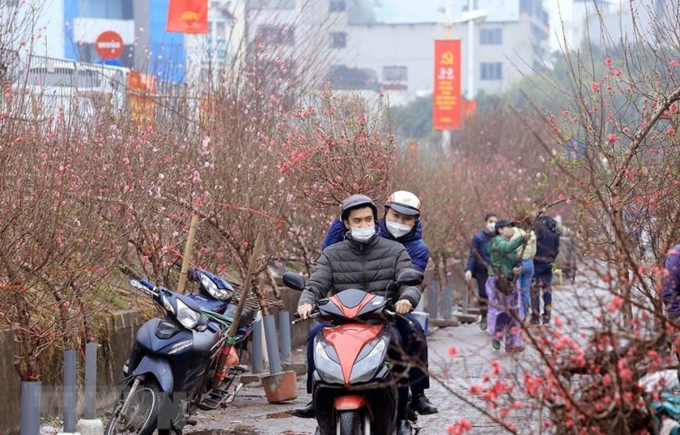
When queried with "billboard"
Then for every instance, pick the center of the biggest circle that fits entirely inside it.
(446, 97)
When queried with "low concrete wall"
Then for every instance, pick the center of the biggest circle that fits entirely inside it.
(111, 356)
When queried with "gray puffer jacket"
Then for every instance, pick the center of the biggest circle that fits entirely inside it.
(369, 266)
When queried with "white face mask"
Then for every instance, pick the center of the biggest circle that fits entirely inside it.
(397, 229)
(491, 227)
(363, 234)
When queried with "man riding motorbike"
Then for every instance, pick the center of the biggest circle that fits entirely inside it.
(365, 261)
(401, 223)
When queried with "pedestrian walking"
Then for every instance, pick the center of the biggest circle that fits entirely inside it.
(548, 232)
(526, 253)
(502, 288)
(477, 266)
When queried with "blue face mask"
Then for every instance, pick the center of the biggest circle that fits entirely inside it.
(363, 234)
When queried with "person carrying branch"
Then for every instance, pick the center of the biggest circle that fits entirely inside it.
(502, 288)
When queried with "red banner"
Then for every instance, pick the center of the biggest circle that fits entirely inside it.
(469, 108)
(446, 98)
(188, 16)
(141, 93)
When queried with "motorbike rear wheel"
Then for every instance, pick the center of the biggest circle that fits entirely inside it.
(142, 412)
(353, 423)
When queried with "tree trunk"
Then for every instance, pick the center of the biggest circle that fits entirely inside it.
(27, 364)
(620, 259)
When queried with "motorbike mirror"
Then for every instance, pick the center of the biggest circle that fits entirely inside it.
(293, 281)
(410, 277)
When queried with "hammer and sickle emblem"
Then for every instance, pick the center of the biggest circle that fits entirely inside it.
(447, 58)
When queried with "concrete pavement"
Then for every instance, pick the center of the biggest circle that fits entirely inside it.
(250, 413)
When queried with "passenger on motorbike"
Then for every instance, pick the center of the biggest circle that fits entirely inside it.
(401, 223)
(365, 261)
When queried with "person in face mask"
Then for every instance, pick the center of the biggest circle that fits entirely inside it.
(366, 261)
(478, 263)
(401, 223)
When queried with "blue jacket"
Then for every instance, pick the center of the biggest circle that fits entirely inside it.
(670, 291)
(413, 241)
(478, 258)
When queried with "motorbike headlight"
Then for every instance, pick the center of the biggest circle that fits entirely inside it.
(218, 293)
(167, 305)
(186, 316)
(365, 369)
(329, 369)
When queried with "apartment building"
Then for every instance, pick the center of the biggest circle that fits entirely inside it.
(510, 43)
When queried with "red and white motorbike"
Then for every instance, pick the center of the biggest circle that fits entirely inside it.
(355, 384)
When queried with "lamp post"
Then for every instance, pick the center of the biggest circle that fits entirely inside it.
(471, 16)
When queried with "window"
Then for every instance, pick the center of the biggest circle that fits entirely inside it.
(491, 70)
(395, 74)
(109, 9)
(395, 78)
(271, 4)
(338, 40)
(277, 35)
(490, 36)
(342, 77)
(337, 6)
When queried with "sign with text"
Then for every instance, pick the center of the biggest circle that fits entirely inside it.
(109, 45)
(187, 16)
(446, 97)
(141, 94)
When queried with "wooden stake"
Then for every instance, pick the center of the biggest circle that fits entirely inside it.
(186, 260)
(257, 250)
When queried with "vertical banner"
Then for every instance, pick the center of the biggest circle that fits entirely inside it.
(469, 108)
(187, 16)
(446, 97)
(141, 94)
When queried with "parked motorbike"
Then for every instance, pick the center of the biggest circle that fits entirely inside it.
(214, 293)
(216, 298)
(177, 364)
(354, 388)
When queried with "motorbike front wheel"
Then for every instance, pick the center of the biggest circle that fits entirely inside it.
(141, 415)
(353, 423)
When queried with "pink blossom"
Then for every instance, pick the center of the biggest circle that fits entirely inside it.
(595, 86)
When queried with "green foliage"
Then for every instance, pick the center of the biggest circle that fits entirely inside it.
(414, 120)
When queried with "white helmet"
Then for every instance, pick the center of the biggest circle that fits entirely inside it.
(404, 202)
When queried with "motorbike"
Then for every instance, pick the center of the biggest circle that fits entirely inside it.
(176, 364)
(354, 385)
(214, 293)
(216, 298)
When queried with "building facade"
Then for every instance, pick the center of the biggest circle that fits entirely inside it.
(68, 29)
(511, 43)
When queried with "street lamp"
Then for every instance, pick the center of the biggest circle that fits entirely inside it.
(471, 16)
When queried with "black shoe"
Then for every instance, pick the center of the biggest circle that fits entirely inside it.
(306, 411)
(404, 427)
(422, 405)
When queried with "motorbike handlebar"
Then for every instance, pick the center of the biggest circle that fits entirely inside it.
(299, 320)
(147, 284)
